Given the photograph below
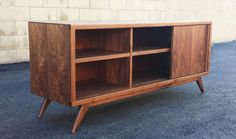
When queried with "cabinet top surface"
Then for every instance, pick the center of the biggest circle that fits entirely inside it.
(118, 24)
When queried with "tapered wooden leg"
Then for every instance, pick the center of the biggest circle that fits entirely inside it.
(44, 106)
(200, 85)
(83, 110)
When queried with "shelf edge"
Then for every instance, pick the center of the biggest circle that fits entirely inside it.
(103, 57)
(153, 51)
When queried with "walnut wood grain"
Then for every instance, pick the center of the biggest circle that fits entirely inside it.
(49, 61)
(44, 106)
(113, 40)
(209, 47)
(72, 64)
(151, 68)
(148, 51)
(200, 85)
(189, 50)
(82, 112)
(111, 25)
(131, 57)
(38, 58)
(136, 91)
(109, 74)
(107, 55)
(92, 88)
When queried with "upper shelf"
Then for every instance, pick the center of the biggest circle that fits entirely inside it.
(94, 54)
(151, 40)
(102, 44)
(105, 44)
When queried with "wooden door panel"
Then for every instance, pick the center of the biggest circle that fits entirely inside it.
(189, 50)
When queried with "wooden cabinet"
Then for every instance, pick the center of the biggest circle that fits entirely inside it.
(92, 64)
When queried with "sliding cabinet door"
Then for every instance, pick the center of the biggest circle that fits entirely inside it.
(190, 48)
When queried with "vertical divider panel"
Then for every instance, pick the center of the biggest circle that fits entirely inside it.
(73, 64)
(131, 58)
(171, 52)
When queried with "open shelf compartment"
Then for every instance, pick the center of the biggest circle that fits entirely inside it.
(101, 77)
(151, 40)
(150, 68)
(91, 44)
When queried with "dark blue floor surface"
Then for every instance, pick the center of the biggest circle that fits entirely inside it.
(176, 112)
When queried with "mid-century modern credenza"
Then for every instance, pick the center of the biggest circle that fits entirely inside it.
(85, 65)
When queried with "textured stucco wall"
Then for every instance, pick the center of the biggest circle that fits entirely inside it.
(14, 15)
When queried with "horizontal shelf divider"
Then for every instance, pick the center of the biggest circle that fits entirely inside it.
(103, 57)
(152, 51)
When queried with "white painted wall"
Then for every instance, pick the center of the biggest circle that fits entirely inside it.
(14, 15)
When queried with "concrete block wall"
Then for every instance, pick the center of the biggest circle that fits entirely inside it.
(14, 15)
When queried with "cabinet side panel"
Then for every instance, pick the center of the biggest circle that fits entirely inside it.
(209, 43)
(189, 50)
(50, 61)
(59, 62)
(38, 57)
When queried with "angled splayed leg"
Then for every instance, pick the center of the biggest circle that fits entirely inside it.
(200, 85)
(44, 106)
(82, 112)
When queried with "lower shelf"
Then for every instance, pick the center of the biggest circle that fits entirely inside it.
(142, 78)
(92, 88)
